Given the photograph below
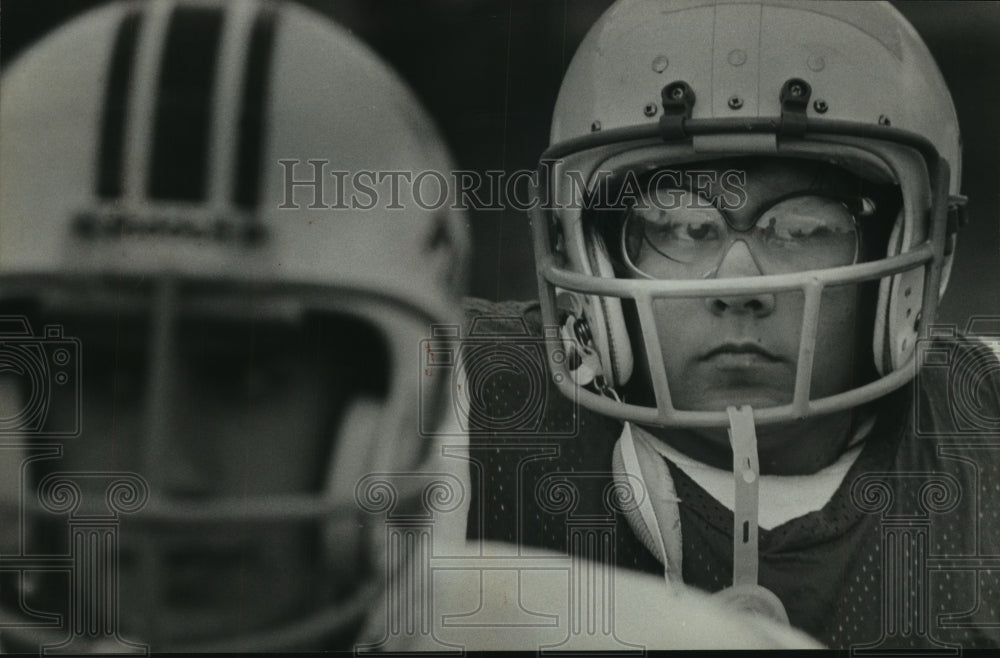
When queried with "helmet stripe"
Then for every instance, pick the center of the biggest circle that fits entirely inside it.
(251, 124)
(111, 152)
(179, 162)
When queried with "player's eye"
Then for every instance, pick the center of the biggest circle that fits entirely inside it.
(806, 218)
(808, 232)
(703, 231)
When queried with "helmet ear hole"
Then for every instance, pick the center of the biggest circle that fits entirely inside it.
(900, 299)
(880, 335)
(905, 302)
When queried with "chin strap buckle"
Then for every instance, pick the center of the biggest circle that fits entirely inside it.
(584, 365)
(586, 368)
(584, 362)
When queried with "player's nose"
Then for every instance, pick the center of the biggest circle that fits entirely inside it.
(738, 262)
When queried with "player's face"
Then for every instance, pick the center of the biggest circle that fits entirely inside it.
(726, 350)
(242, 409)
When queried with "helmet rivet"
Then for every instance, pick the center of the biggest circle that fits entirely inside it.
(820, 105)
(816, 63)
(596, 126)
(795, 90)
(883, 120)
(737, 57)
(677, 92)
(735, 102)
(660, 63)
(649, 109)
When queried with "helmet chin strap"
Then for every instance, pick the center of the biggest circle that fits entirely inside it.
(746, 478)
(745, 593)
(656, 520)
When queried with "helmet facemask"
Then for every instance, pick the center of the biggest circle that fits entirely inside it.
(248, 417)
(875, 205)
(911, 246)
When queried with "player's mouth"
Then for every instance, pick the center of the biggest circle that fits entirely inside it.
(739, 354)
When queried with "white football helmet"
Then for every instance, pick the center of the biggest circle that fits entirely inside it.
(170, 195)
(658, 83)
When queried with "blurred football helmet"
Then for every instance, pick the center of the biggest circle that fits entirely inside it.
(248, 342)
(656, 84)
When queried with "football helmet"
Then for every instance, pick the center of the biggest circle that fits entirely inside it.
(656, 84)
(176, 197)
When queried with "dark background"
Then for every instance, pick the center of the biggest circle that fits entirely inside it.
(489, 72)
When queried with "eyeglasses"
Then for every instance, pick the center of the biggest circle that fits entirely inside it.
(689, 236)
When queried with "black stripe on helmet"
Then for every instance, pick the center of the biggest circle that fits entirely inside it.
(179, 165)
(111, 150)
(246, 188)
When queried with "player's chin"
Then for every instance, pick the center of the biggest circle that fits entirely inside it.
(756, 397)
(714, 389)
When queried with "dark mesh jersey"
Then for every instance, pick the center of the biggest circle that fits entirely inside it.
(906, 554)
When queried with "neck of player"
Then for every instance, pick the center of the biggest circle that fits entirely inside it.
(799, 448)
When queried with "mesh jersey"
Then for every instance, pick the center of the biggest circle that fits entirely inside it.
(906, 554)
